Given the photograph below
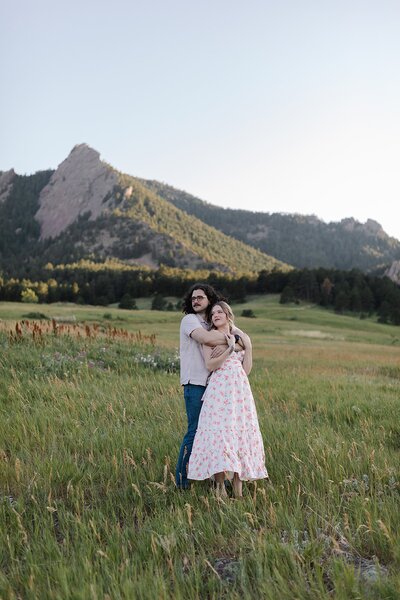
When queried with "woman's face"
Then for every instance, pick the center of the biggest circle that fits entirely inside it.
(218, 316)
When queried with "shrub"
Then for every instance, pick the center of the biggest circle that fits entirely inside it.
(159, 303)
(127, 302)
(287, 295)
(247, 312)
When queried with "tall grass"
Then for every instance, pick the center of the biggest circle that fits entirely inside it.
(90, 427)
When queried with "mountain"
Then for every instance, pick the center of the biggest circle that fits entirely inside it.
(302, 241)
(86, 209)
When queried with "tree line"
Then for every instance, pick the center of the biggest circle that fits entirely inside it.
(110, 283)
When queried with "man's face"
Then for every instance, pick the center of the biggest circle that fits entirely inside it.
(199, 301)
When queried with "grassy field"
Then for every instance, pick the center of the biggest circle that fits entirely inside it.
(91, 421)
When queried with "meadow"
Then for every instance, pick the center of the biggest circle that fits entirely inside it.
(91, 421)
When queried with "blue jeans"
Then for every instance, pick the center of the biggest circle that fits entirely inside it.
(192, 395)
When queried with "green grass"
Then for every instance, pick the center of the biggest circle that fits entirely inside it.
(90, 428)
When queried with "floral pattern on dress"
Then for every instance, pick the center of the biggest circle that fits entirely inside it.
(228, 436)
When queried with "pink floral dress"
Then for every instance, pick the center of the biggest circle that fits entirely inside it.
(228, 436)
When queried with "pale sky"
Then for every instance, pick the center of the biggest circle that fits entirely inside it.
(278, 106)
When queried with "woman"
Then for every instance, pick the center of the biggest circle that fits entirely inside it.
(228, 441)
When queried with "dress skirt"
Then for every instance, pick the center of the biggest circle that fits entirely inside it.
(228, 436)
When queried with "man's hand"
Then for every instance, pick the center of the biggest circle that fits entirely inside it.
(217, 351)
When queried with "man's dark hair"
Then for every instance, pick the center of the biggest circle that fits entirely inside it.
(209, 291)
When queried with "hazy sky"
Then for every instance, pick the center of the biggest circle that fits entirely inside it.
(279, 106)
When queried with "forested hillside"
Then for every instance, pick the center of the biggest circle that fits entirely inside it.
(19, 231)
(300, 240)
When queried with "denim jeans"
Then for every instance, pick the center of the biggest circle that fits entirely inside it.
(192, 395)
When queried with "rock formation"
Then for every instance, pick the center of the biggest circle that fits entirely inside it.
(6, 183)
(81, 184)
(393, 272)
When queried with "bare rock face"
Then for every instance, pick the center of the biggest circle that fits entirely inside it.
(370, 227)
(81, 184)
(349, 224)
(393, 272)
(6, 179)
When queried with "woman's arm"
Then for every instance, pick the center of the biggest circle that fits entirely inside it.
(213, 363)
(248, 353)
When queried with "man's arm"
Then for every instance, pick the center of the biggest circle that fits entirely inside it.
(208, 338)
(214, 362)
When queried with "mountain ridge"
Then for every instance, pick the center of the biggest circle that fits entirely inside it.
(88, 209)
(305, 241)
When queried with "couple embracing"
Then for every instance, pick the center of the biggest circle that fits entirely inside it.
(223, 438)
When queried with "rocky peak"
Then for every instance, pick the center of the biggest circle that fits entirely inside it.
(373, 227)
(349, 224)
(393, 272)
(6, 179)
(81, 184)
(370, 227)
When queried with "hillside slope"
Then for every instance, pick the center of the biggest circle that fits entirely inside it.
(301, 240)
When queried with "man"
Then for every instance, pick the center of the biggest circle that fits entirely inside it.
(194, 331)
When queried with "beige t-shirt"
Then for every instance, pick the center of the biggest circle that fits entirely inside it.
(193, 368)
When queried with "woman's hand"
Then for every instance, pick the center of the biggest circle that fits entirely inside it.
(230, 340)
(217, 351)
